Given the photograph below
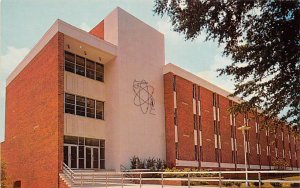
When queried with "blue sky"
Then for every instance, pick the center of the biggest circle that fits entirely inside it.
(23, 23)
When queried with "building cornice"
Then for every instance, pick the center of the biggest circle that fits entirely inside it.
(69, 30)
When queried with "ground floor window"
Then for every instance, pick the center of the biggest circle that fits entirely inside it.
(84, 153)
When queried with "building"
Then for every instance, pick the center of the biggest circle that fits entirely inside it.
(92, 100)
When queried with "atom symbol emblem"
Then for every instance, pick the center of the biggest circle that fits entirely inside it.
(143, 96)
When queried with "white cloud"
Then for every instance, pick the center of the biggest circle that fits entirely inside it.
(211, 74)
(8, 63)
(84, 26)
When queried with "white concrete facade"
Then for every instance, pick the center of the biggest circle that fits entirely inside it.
(140, 57)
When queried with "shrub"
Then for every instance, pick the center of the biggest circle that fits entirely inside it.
(150, 164)
(257, 183)
(276, 184)
(227, 183)
(134, 162)
(237, 183)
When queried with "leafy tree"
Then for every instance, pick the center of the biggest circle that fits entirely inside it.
(263, 40)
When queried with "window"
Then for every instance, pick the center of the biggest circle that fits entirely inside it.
(84, 67)
(174, 83)
(196, 153)
(69, 103)
(194, 91)
(102, 154)
(99, 72)
(69, 62)
(90, 108)
(90, 69)
(80, 106)
(80, 65)
(99, 110)
(195, 122)
(176, 150)
(84, 106)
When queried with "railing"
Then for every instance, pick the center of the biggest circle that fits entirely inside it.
(122, 179)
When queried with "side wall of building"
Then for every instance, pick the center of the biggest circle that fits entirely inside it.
(34, 120)
(219, 144)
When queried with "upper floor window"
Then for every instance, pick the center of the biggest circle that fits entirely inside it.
(84, 106)
(83, 66)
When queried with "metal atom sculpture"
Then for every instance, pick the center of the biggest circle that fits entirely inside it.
(143, 96)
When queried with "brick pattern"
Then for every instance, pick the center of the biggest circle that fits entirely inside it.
(33, 124)
(185, 116)
(98, 30)
(169, 120)
(259, 140)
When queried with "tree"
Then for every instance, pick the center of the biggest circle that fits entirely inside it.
(263, 40)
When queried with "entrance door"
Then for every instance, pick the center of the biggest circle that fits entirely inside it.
(91, 157)
(70, 155)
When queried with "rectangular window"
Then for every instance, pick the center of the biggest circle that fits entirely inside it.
(176, 150)
(80, 106)
(194, 91)
(214, 99)
(90, 69)
(196, 153)
(69, 103)
(99, 72)
(90, 108)
(174, 83)
(80, 65)
(195, 122)
(99, 110)
(201, 154)
(102, 154)
(69, 62)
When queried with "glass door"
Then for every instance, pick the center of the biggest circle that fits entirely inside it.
(88, 157)
(71, 156)
(95, 157)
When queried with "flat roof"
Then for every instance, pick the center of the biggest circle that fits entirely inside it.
(69, 30)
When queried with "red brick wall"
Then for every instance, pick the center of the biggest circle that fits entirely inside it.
(208, 140)
(184, 90)
(225, 130)
(33, 131)
(98, 30)
(185, 119)
(240, 140)
(169, 120)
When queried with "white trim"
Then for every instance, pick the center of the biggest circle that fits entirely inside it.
(176, 134)
(209, 164)
(194, 106)
(187, 163)
(174, 99)
(69, 30)
(195, 137)
(200, 138)
(199, 108)
(214, 112)
(227, 165)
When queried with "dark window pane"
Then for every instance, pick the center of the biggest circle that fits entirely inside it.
(69, 62)
(91, 142)
(71, 140)
(90, 69)
(102, 153)
(99, 72)
(81, 151)
(66, 154)
(69, 103)
(90, 111)
(80, 65)
(95, 158)
(80, 106)
(102, 143)
(102, 164)
(81, 141)
(81, 163)
(99, 110)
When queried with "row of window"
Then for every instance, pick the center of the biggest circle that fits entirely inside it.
(84, 67)
(84, 106)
